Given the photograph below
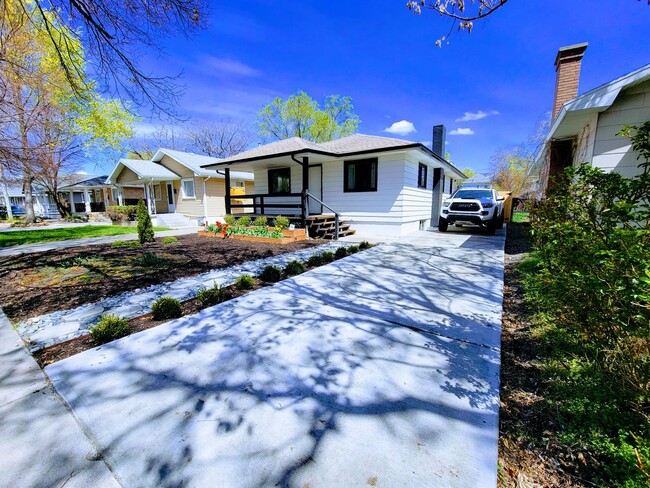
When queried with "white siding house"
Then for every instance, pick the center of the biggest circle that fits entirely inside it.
(585, 127)
(375, 183)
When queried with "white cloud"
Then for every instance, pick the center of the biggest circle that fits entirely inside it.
(470, 116)
(402, 128)
(462, 131)
(229, 66)
(81, 172)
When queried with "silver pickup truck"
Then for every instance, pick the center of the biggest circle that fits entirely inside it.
(478, 206)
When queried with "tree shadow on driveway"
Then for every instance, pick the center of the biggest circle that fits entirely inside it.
(307, 385)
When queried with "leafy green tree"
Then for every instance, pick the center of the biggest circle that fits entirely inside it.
(469, 172)
(46, 126)
(301, 116)
(113, 33)
(145, 228)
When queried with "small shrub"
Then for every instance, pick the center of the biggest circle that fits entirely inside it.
(315, 260)
(214, 295)
(122, 213)
(245, 282)
(260, 222)
(341, 252)
(230, 219)
(149, 260)
(364, 245)
(281, 222)
(169, 240)
(294, 268)
(145, 228)
(271, 274)
(244, 221)
(353, 249)
(128, 244)
(166, 308)
(109, 328)
(327, 256)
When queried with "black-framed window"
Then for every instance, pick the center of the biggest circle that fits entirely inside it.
(279, 181)
(360, 175)
(422, 175)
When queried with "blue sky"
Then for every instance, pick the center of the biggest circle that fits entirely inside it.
(385, 58)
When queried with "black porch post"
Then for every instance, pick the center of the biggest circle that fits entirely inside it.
(227, 196)
(305, 189)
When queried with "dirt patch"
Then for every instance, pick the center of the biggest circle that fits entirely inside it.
(523, 427)
(42, 283)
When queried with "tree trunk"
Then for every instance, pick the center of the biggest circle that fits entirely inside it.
(30, 218)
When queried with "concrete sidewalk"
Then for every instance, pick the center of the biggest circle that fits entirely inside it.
(381, 369)
(41, 443)
(90, 241)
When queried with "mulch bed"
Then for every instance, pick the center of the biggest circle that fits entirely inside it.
(523, 464)
(21, 302)
(77, 345)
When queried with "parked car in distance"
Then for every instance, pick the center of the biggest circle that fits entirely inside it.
(15, 210)
(478, 206)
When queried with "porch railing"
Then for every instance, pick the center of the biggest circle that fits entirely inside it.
(261, 202)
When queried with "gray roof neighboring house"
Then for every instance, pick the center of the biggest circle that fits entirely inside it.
(346, 146)
(145, 170)
(88, 182)
(576, 113)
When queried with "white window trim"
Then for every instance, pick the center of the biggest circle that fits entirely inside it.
(157, 197)
(115, 196)
(185, 196)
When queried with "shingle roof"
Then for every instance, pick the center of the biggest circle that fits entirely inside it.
(362, 142)
(285, 146)
(188, 159)
(146, 170)
(357, 143)
(88, 182)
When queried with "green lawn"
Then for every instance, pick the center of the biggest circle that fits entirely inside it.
(519, 216)
(18, 237)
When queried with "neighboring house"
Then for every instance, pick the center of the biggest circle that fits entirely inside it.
(584, 127)
(177, 188)
(93, 194)
(381, 186)
(43, 203)
(478, 181)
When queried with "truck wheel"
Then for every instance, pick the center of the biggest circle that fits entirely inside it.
(442, 224)
(491, 227)
(499, 224)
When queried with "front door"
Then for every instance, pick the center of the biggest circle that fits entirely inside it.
(316, 188)
(171, 207)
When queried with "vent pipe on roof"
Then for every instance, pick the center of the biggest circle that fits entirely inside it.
(438, 140)
(567, 74)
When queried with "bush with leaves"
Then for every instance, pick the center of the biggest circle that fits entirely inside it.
(245, 282)
(230, 219)
(592, 237)
(327, 257)
(214, 295)
(109, 328)
(341, 252)
(243, 221)
(260, 221)
(353, 249)
(271, 273)
(122, 213)
(294, 268)
(145, 228)
(363, 245)
(169, 240)
(315, 260)
(166, 308)
(281, 222)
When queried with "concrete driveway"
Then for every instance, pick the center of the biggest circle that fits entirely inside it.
(381, 369)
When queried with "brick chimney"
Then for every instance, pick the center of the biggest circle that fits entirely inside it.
(567, 77)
